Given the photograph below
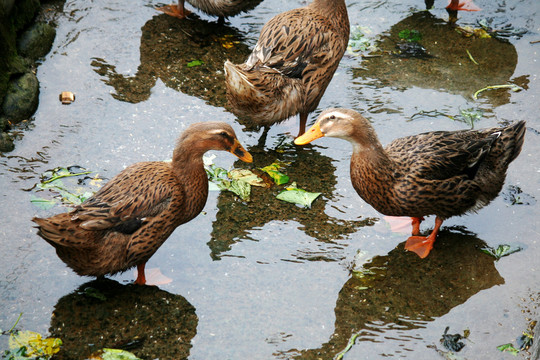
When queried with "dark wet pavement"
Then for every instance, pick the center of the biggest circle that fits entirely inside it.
(267, 279)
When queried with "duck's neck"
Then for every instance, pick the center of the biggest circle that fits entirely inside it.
(372, 173)
(335, 10)
(187, 164)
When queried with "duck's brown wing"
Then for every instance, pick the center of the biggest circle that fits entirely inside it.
(130, 199)
(442, 154)
(293, 40)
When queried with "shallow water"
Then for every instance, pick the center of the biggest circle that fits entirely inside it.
(267, 279)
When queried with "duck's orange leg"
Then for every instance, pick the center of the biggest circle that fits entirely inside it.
(462, 5)
(422, 245)
(141, 279)
(178, 11)
(416, 221)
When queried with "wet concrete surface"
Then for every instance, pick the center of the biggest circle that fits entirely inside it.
(266, 279)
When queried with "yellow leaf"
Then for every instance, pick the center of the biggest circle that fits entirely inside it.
(34, 344)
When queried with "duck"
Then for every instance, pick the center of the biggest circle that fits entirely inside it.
(441, 173)
(291, 65)
(220, 8)
(125, 222)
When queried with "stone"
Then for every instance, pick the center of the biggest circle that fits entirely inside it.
(37, 41)
(21, 100)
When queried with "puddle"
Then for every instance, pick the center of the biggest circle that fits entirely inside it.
(268, 279)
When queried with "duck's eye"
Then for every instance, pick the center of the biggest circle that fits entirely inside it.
(332, 117)
(224, 134)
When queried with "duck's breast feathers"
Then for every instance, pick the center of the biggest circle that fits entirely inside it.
(293, 40)
(140, 192)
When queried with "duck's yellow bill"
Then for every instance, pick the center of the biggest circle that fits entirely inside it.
(313, 133)
(238, 150)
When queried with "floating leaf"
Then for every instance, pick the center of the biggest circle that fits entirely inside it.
(34, 345)
(297, 196)
(195, 63)
(44, 204)
(359, 41)
(113, 354)
(238, 181)
(247, 176)
(273, 170)
(508, 348)
(501, 251)
(70, 192)
(239, 187)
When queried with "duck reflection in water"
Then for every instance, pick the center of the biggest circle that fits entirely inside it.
(237, 220)
(400, 291)
(186, 56)
(145, 320)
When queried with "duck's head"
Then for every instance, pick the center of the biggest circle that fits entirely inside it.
(213, 135)
(333, 122)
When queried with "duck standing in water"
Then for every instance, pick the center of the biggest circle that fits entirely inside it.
(442, 173)
(220, 8)
(292, 63)
(125, 222)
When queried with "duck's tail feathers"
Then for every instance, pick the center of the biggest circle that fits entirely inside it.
(516, 134)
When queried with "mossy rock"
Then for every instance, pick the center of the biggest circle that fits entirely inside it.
(37, 41)
(6, 142)
(21, 100)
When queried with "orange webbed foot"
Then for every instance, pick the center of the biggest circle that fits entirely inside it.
(421, 245)
(174, 10)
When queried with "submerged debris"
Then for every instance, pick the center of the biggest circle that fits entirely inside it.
(452, 341)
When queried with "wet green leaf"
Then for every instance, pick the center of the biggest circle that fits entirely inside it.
(113, 354)
(238, 181)
(410, 35)
(501, 250)
(247, 176)
(508, 348)
(195, 63)
(359, 41)
(31, 344)
(273, 170)
(239, 187)
(69, 192)
(297, 196)
(44, 204)
(278, 177)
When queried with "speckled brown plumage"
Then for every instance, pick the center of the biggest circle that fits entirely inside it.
(220, 8)
(125, 222)
(291, 65)
(442, 173)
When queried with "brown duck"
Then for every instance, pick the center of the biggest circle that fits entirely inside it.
(125, 222)
(442, 173)
(292, 63)
(220, 8)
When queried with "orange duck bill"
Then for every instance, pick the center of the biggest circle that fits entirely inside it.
(238, 150)
(312, 134)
